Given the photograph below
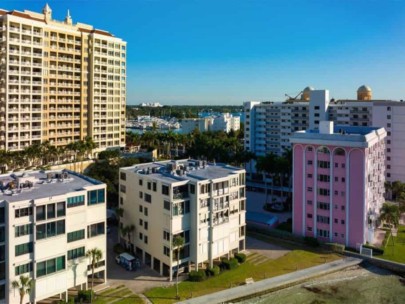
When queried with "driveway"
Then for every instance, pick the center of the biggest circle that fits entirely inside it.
(137, 281)
(255, 202)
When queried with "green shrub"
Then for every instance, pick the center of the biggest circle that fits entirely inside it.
(197, 276)
(311, 241)
(85, 296)
(214, 271)
(241, 257)
(229, 264)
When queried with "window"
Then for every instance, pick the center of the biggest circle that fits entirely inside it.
(123, 176)
(75, 235)
(336, 165)
(23, 212)
(145, 239)
(148, 198)
(166, 205)
(343, 208)
(309, 163)
(145, 211)
(140, 208)
(61, 209)
(75, 201)
(166, 251)
(50, 211)
(181, 208)
(149, 185)
(309, 175)
(166, 235)
(309, 189)
(343, 180)
(23, 230)
(145, 225)
(140, 194)
(323, 233)
(322, 219)
(154, 186)
(141, 236)
(192, 189)
(323, 164)
(23, 249)
(140, 182)
(123, 189)
(309, 202)
(165, 190)
(140, 222)
(323, 178)
(23, 269)
(75, 253)
(309, 215)
(97, 196)
(95, 230)
(50, 266)
(50, 229)
(336, 179)
(322, 191)
(41, 213)
(309, 228)
(336, 192)
(342, 222)
(323, 206)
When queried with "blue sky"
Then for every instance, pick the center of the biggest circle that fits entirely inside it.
(227, 52)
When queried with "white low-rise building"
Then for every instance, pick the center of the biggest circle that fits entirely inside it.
(48, 221)
(203, 203)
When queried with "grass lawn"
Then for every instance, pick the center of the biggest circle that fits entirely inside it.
(395, 251)
(296, 259)
(117, 295)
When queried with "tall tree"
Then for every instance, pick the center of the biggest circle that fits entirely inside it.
(24, 285)
(178, 243)
(95, 255)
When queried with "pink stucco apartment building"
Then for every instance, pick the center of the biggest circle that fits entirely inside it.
(338, 182)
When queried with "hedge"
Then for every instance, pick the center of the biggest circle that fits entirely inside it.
(214, 271)
(229, 264)
(197, 276)
(241, 257)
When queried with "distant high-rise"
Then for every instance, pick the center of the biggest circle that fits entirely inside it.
(59, 82)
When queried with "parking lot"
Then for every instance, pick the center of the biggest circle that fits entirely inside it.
(137, 281)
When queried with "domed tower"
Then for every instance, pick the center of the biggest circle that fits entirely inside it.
(306, 93)
(364, 93)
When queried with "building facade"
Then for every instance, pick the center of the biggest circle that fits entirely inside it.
(48, 220)
(269, 125)
(203, 203)
(59, 82)
(338, 182)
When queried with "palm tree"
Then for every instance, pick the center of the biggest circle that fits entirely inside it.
(178, 243)
(24, 285)
(95, 255)
(126, 232)
(266, 165)
(390, 214)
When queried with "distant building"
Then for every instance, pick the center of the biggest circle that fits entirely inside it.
(225, 122)
(48, 220)
(202, 202)
(338, 182)
(188, 125)
(269, 125)
(151, 104)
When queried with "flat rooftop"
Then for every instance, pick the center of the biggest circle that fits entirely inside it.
(31, 185)
(341, 136)
(174, 171)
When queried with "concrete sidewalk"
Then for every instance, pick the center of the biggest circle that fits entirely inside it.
(274, 283)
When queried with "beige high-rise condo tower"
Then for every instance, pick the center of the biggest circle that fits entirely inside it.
(59, 81)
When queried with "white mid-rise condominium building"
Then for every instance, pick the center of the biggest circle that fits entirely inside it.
(224, 122)
(48, 221)
(269, 125)
(59, 82)
(203, 203)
